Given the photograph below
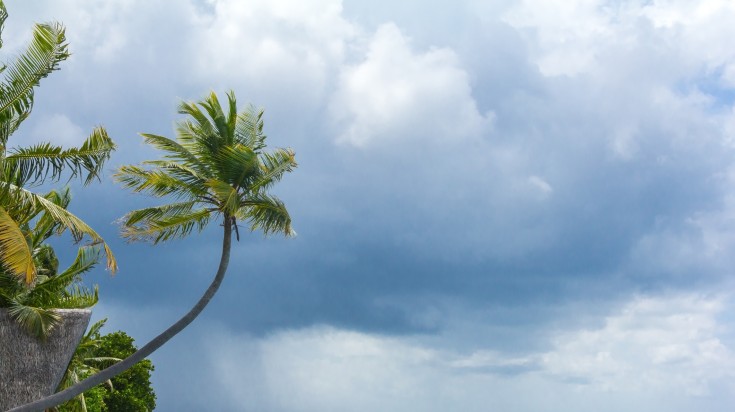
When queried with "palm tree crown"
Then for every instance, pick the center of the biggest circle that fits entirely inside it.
(215, 167)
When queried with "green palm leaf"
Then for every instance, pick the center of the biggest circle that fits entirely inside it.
(37, 321)
(237, 165)
(267, 213)
(36, 163)
(76, 226)
(273, 166)
(58, 290)
(157, 224)
(15, 254)
(46, 226)
(249, 128)
(42, 56)
(175, 151)
(159, 182)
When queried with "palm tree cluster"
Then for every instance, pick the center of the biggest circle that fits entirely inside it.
(29, 284)
(215, 169)
(33, 306)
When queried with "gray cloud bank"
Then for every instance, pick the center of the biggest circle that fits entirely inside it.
(510, 195)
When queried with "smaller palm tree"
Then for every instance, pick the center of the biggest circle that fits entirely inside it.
(215, 169)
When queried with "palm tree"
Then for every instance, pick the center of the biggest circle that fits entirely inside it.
(33, 306)
(216, 169)
(34, 165)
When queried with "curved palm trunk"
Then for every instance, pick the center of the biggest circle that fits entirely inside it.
(146, 350)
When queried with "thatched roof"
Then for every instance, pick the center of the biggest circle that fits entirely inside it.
(30, 368)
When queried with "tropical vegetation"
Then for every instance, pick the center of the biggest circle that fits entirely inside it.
(29, 284)
(33, 305)
(216, 169)
(130, 391)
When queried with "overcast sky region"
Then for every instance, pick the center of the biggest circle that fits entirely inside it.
(517, 206)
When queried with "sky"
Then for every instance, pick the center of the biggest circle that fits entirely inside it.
(500, 205)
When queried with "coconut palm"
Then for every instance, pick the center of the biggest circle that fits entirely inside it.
(215, 169)
(21, 168)
(32, 306)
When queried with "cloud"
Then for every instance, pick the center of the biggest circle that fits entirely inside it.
(652, 343)
(566, 34)
(396, 93)
(542, 185)
(664, 353)
(56, 128)
(506, 174)
(280, 50)
(577, 37)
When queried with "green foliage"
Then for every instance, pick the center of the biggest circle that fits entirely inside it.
(24, 167)
(216, 166)
(130, 391)
(32, 304)
(83, 363)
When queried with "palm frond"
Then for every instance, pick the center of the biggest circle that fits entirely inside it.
(15, 254)
(46, 226)
(92, 332)
(218, 118)
(39, 162)
(157, 224)
(37, 321)
(158, 182)
(200, 127)
(249, 128)
(3, 17)
(273, 166)
(42, 56)
(228, 198)
(53, 289)
(159, 212)
(174, 151)
(236, 165)
(77, 296)
(267, 213)
(231, 117)
(76, 226)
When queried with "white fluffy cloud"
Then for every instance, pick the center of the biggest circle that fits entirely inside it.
(397, 93)
(283, 49)
(660, 343)
(573, 37)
